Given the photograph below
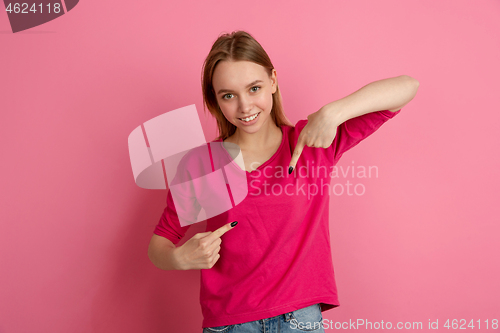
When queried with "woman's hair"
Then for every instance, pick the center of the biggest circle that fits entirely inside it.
(236, 46)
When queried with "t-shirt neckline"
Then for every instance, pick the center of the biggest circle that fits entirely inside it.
(269, 160)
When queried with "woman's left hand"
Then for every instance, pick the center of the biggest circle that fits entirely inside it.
(319, 132)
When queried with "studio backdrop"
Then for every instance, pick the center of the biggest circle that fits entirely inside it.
(415, 240)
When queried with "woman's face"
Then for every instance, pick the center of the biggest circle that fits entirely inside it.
(243, 89)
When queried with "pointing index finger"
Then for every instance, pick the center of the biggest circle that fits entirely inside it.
(296, 153)
(222, 230)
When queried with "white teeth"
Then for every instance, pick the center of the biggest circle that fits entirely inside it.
(250, 118)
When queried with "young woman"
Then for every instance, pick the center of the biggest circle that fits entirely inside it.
(274, 271)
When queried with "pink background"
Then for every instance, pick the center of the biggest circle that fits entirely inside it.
(421, 244)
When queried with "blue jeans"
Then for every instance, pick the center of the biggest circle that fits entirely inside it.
(308, 319)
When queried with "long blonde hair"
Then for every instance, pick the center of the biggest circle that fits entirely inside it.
(236, 46)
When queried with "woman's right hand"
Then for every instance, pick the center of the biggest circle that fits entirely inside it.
(202, 250)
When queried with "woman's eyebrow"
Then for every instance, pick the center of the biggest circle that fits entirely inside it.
(248, 86)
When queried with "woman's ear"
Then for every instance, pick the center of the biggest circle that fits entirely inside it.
(274, 79)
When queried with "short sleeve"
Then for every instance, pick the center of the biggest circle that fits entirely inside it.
(187, 208)
(169, 225)
(355, 130)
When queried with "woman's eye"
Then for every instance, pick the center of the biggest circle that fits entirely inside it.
(224, 97)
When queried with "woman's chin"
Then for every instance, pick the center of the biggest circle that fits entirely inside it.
(249, 130)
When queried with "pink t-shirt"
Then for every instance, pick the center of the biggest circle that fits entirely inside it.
(278, 258)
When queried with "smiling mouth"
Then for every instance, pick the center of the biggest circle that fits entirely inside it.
(250, 117)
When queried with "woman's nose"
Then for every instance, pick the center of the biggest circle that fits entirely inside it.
(245, 105)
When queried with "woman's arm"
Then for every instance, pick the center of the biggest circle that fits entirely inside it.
(161, 253)
(387, 94)
(321, 128)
